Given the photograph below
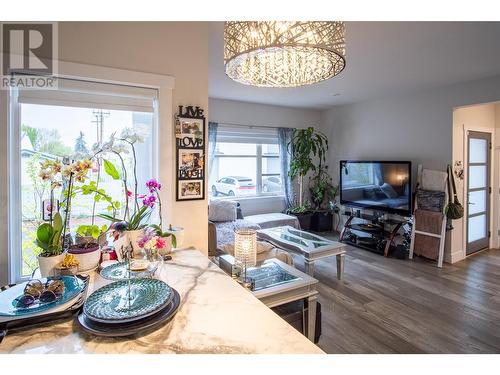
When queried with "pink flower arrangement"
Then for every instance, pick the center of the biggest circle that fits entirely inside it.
(150, 241)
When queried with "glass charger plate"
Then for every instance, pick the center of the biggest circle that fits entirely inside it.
(119, 271)
(73, 286)
(121, 302)
(127, 329)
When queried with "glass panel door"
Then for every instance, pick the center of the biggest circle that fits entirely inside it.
(478, 191)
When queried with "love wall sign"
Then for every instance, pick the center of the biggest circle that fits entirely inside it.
(190, 142)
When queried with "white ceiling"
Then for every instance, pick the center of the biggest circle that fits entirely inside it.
(383, 59)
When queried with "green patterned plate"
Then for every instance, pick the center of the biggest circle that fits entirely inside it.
(116, 303)
(119, 271)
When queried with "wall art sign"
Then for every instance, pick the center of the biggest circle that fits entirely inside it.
(190, 158)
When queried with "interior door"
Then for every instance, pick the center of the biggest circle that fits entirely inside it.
(478, 191)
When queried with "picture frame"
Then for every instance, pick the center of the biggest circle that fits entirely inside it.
(190, 132)
(190, 190)
(49, 208)
(190, 163)
(190, 153)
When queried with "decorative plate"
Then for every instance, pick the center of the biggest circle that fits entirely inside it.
(73, 286)
(127, 329)
(119, 271)
(126, 301)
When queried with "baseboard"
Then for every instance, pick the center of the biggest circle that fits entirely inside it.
(454, 257)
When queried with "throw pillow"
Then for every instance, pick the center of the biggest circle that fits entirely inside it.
(222, 210)
(429, 200)
(388, 190)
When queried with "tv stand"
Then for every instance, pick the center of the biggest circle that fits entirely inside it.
(373, 233)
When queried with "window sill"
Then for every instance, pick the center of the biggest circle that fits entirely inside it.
(250, 197)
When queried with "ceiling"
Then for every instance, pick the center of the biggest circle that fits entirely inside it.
(383, 59)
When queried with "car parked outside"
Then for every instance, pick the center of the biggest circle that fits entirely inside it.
(234, 186)
(271, 184)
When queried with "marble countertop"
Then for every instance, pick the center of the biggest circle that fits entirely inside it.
(216, 316)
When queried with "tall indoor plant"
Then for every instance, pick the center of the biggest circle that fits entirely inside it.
(307, 146)
(308, 149)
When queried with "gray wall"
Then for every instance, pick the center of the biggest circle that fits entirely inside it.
(416, 127)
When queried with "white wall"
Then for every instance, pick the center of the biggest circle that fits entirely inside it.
(416, 127)
(178, 49)
(243, 113)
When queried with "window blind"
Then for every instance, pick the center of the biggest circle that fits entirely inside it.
(246, 134)
(86, 94)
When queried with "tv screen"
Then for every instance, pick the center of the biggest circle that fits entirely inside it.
(377, 185)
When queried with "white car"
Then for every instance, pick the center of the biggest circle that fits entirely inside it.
(234, 186)
(271, 184)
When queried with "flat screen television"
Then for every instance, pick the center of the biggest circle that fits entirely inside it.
(376, 185)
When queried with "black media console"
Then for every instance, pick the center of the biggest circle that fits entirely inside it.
(371, 232)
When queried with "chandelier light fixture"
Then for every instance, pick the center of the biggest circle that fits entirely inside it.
(283, 53)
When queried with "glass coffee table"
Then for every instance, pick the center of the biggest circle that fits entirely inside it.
(308, 245)
(275, 283)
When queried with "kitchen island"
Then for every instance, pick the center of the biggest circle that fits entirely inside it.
(216, 315)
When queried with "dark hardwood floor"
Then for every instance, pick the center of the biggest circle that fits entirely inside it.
(387, 305)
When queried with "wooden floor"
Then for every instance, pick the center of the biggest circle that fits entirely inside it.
(386, 305)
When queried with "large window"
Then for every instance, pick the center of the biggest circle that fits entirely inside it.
(55, 125)
(246, 163)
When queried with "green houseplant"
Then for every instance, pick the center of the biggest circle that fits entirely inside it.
(51, 237)
(323, 194)
(307, 147)
(49, 240)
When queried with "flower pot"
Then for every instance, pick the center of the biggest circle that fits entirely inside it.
(88, 257)
(134, 236)
(322, 222)
(304, 219)
(179, 236)
(48, 264)
(126, 238)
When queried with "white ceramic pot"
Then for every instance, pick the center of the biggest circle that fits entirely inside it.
(134, 236)
(88, 259)
(179, 236)
(48, 264)
(126, 238)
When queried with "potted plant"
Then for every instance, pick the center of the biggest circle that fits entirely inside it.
(156, 230)
(51, 236)
(131, 225)
(131, 231)
(307, 146)
(49, 240)
(323, 194)
(92, 232)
